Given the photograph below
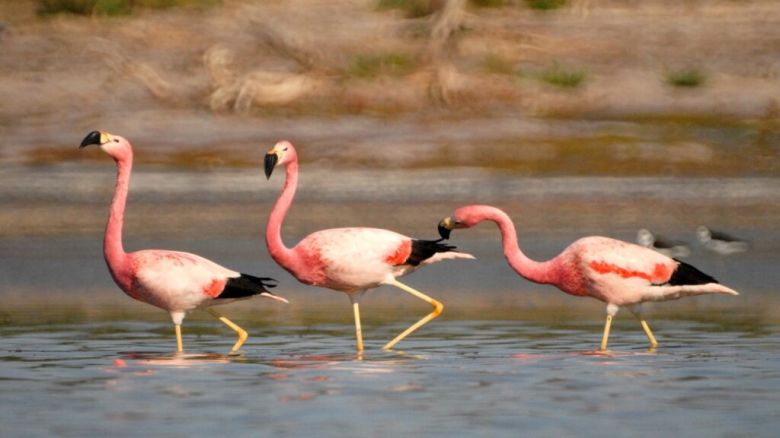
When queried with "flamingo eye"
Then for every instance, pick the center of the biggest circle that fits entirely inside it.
(116, 141)
(285, 149)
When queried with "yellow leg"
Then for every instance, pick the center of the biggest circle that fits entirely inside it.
(604, 338)
(179, 346)
(437, 309)
(649, 333)
(358, 329)
(242, 334)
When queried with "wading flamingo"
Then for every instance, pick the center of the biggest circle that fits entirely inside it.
(350, 260)
(174, 281)
(613, 271)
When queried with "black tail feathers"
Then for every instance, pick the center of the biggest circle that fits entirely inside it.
(425, 249)
(246, 286)
(686, 274)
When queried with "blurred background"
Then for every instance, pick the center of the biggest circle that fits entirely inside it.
(577, 117)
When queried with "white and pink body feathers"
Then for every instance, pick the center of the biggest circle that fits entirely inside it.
(355, 259)
(180, 282)
(624, 274)
(350, 260)
(615, 272)
(174, 281)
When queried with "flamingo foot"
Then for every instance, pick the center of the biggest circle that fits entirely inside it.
(437, 309)
(649, 333)
(242, 334)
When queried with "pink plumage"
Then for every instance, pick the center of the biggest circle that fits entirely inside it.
(350, 260)
(615, 272)
(178, 282)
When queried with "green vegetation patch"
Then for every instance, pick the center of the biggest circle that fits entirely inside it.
(488, 3)
(422, 8)
(496, 64)
(545, 5)
(114, 7)
(563, 77)
(368, 66)
(410, 8)
(686, 78)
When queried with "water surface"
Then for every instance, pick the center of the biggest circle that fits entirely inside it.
(507, 357)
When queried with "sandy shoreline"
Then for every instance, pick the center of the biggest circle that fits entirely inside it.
(73, 199)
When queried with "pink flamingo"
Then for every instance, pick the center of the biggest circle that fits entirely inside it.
(615, 272)
(350, 260)
(174, 281)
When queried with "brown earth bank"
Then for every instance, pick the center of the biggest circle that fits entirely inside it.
(595, 87)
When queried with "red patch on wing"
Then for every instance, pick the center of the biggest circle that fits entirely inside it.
(660, 272)
(214, 288)
(399, 256)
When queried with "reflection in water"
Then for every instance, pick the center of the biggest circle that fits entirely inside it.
(173, 359)
(489, 377)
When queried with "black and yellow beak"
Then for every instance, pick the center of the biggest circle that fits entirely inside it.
(95, 137)
(271, 158)
(446, 226)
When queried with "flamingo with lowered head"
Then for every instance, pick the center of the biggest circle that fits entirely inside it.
(350, 260)
(615, 272)
(174, 281)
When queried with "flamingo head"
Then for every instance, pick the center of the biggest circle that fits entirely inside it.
(467, 217)
(115, 146)
(457, 220)
(283, 152)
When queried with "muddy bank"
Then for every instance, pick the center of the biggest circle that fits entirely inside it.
(172, 80)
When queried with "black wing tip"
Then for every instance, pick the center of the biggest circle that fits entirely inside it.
(267, 281)
(437, 244)
(425, 249)
(687, 274)
(247, 285)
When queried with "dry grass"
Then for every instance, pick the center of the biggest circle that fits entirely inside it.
(302, 59)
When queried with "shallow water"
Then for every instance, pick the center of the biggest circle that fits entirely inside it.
(507, 357)
(465, 377)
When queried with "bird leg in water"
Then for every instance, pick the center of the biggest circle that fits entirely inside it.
(611, 311)
(637, 311)
(242, 334)
(358, 329)
(179, 346)
(605, 337)
(437, 309)
(649, 333)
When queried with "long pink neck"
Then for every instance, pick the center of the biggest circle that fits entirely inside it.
(539, 272)
(115, 255)
(273, 230)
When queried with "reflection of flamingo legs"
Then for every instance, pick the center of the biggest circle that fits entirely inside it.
(348, 259)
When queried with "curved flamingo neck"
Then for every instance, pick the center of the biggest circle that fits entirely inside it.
(113, 251)
(273, 230)
(539, 272)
